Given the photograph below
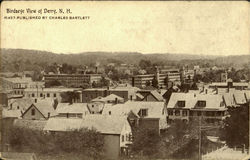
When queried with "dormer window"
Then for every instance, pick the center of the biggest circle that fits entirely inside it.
(181, 103)
(143, 112)
(201, 104)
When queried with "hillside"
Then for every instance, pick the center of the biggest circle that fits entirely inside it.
(11, 59)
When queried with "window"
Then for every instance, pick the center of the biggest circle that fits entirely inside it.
(48, 95)
(33, 95)
(177, 112)
(122, 138)
(181, 103)
(41, 95)
(109, 112)
(33, 112)
(170, 112)
(143, 112)
(198, 113)
(184, 113)
(54, 94)
(201, 103)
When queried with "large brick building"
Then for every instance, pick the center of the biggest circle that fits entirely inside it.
(163, 77)
(72, 80)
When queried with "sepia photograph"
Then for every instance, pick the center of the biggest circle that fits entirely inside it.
(124, 80)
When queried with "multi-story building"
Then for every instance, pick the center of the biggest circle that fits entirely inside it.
(163, 77)
(17, 85)
(50, 93)
(186, 106)
(127, 93)
(229, 85)
(72, 80)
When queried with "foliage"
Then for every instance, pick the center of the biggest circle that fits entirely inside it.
(84, 142)
(145, 142)
(235, 131)
(180, 140)
(144, 64)
(155, 82)
(69, 97)
(53, 83)
(67, 69)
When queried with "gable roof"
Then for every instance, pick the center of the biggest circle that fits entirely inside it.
(140, 96)
(111, 97)
(23, 103)
(213, 102)
(44, 107)
(11, 113)
(103, 124)
(72, 108)
(156, 95)
(155, 109)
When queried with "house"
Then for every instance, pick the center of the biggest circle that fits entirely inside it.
(229, 85)
(7, 113)
(186, 106)
(112, 98)
(51, 93)
(40, 110)
(153, 96)
(236, 98)
(74, 110)
(73, 80)
(141, 111)
(115, 130)
(20, 104)
(127, 93)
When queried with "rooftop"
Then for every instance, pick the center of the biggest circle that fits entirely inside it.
(72, 108)
(103, 124)
(213, 101)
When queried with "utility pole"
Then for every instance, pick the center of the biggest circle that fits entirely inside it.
(248, 127)
(199, 138)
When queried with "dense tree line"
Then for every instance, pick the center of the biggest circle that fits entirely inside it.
(83, 142)
(180, 141)
(235, 130)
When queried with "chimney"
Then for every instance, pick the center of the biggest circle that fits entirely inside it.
(206, 91)
(116, 100)
(131, 97)
(216, 90)
(55, 104)
(194, 95)
(96, 69)
(48, 115)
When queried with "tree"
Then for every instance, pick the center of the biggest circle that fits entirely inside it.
(53, 83)
(144, 64)
(83, 142)
(145, 142)
(235, 130)
(166, 80)
(69, 97)
(155, 82)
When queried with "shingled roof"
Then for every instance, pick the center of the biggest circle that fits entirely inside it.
(103, 124)
(213, 102)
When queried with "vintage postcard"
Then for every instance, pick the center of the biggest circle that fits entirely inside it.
(125, 80)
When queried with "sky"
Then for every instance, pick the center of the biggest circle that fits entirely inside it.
(214, 28)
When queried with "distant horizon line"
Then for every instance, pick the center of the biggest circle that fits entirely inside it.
(65, 53)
